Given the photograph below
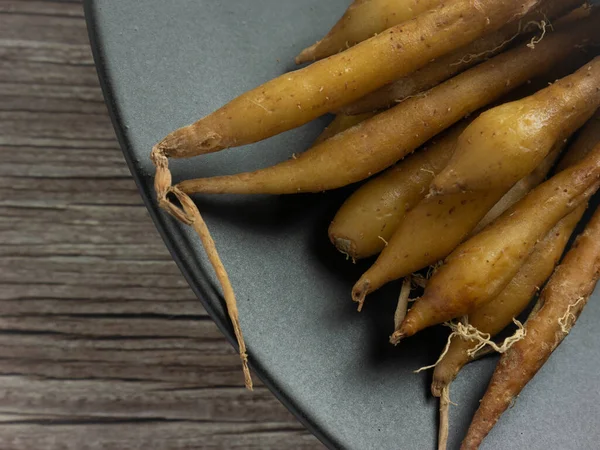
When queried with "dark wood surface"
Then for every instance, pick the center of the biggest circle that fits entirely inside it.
(102, 343)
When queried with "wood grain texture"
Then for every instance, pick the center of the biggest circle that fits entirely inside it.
(102, 343)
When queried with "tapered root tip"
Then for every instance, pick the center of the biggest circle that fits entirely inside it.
(359, 293)
(445, 185)
(437, 387)
(471, 443)
(361, 303)
(434, 190)
(396, 337)
(247, 376)
(344, 245)
(309, 54)
(481, 425)
(354, 109)
(405, 330)
(191, 140)
(447, 190)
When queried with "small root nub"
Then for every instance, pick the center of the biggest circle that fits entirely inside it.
(396, 337)
(359, 293)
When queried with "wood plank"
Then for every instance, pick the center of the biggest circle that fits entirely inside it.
(102, 343)
(42, 8)
(123, 399)
(27, 72)
(42, 28)
(143, 435)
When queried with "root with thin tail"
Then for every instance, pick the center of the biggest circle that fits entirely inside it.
(188, 214)
(444, 418)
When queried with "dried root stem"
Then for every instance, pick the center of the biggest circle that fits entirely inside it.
(445, 403)
(400, 313)
(188, 213)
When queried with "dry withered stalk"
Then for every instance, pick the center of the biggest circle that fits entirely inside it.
(188, 213)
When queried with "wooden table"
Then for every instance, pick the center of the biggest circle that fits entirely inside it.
(102, 343)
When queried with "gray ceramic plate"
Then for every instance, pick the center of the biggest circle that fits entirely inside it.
(165, 63)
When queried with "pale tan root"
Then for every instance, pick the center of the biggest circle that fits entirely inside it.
(400, 313)
(190, 215)
(444, 419)
(410, 280)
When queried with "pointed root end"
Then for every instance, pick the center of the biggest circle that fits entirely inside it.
(359, 293)
(434, 190)
(437, 387)
(309, 54)
(396, 337)
(343, 245)
(191, 140)
(247, 376)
